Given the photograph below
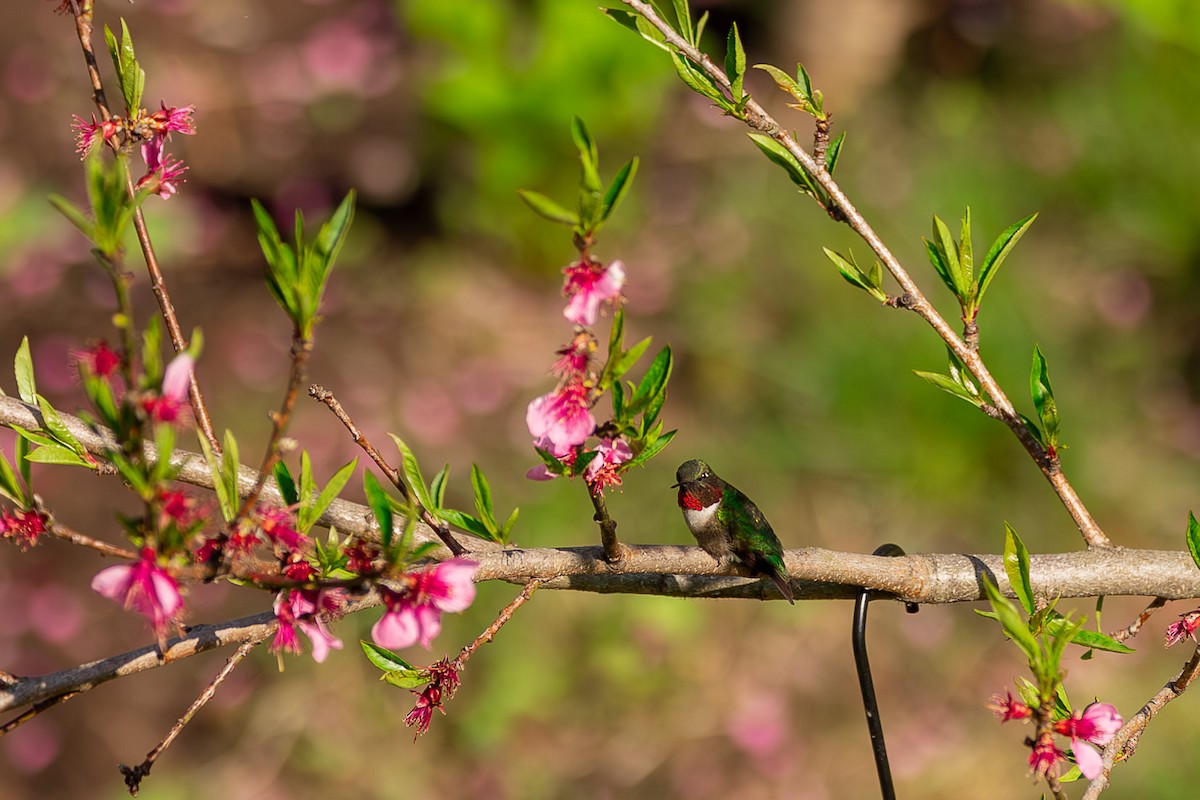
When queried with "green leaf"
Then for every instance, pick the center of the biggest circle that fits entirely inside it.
(1100, 641)
(965, 258)
(834, 152)
(437, 487)
(588, 156)
(407, 680)
(383, 658)
(653, 383)
(948, 250)
(506, 528)
(698, 81)
(948, 384)
(483, 499)
(287, 486)
(1000, 250)
(1043, 397)
(849, 269)
(627, 359)
(57, 454)
(74, 215)
(735, 62)
(466, 522)
(683, 20)
(1012, 623)
(651, 450)
(1193, 538)
(548, 208)
(9, 486)
(381, 506)
(23, 364)
(20, 456)
(779, 154)
(1016, 565)
(311, 513)
(130, 77)
(412, 471)
(53, 423)
(225, 500)
(618, 188)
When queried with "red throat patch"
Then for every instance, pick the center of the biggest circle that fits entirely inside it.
(691, 500)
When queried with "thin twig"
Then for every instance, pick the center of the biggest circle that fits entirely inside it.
(504, 616)
(323, 395)
(34, 710)
(1125, 742)
(757, 118)
(65, 534)
(135, 775)
(1131, 630)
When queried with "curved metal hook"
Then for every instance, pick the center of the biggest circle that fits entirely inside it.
(867, 685)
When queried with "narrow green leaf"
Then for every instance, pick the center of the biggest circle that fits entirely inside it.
(332, 489)
(1193, 538)
(383, 658)
(407, 680)
(849, 269)
(53, 423)
(834, 152)
(547, 208)
(697, 80)
(588, 156)
(651, 450)
(1100, 641)
(483, 499)
(9, 486)
(412, 471)
(948, 250)
(506, 528)
(57, 454)
(307, 484)
(629, 358)
(780, 155)
(74, 215)
(653, 381)
(381, 506)
(1012, 623)
(735, 62)
(466, 522)
(948, 384)
(683, 19)
(618, 188)
(1016, 565)
(20, 456)
(639, 25)
(1043, 396)
(23, 365)
(1000, 250)
(437, 487)
(287, 486)
(227, 503)
(964, 249)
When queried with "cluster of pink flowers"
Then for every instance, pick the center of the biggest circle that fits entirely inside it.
(144, 586)
(22, 527)
(414, 614)
(153, 130)
(1183, 628)
(562, 421)
(1094, 726)
(304, 611)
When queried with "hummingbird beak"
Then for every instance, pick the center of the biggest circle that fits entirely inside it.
(674, 485)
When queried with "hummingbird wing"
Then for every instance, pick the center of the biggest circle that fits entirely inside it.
(754, 541)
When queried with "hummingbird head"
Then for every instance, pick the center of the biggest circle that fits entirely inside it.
(692, 471)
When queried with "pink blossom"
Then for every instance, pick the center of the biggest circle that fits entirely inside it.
(301, 609)
(588, 285)
(23, 527)
(602, 471)
(177, 119)
(279, 526)
(1007, 708)
(1046, 757)
(89, 134)
(573, 358)
(416, 614)
(443, 683)
(1185, 627)
(541, 472)
(162, 171)
(98, 360)
(563, 416)
(143, 586)
(1095, 725)
(177, 379)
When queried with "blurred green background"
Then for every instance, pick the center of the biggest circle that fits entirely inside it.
(446, 311)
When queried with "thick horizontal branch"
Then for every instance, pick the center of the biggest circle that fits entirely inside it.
(677, 571)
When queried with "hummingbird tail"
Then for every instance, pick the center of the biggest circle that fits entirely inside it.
(785, 586)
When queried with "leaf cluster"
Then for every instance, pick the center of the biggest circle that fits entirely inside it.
(297, 274)
(954, 260)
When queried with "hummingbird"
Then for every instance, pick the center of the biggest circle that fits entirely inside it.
(728, 525)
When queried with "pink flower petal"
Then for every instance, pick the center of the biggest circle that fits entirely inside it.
(1088, 758)
(429, 621)
(113, 582)
(397, 629)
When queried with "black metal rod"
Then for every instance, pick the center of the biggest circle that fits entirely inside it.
(867, 685)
